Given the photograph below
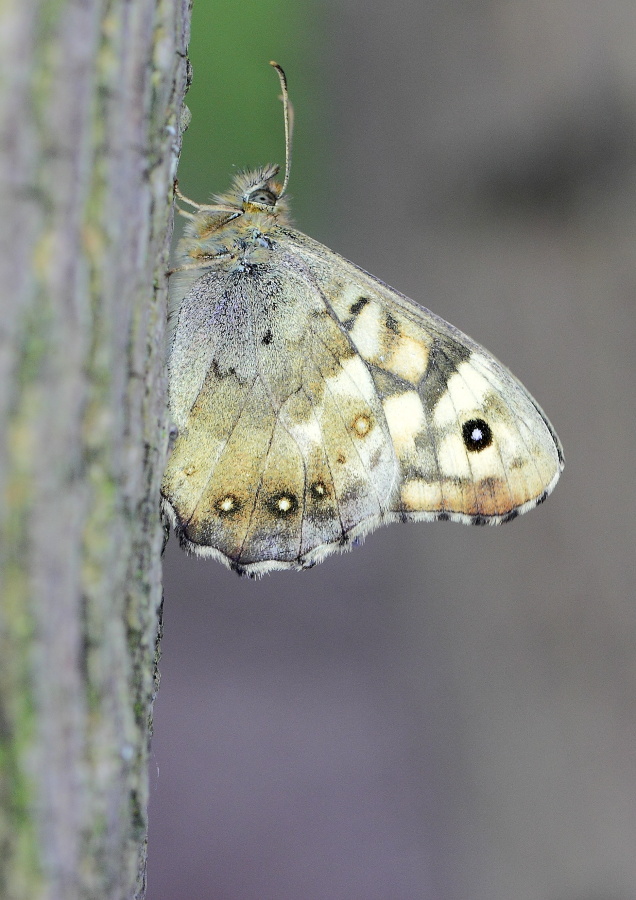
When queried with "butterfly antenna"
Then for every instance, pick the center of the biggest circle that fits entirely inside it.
(288, 114)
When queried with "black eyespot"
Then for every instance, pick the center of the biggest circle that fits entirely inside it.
(262, 195)
(267, 337)
(477, 435)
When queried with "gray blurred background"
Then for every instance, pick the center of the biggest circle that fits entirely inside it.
(446, 712)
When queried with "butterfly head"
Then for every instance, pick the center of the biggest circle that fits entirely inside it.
(253, 206)
(256, 192)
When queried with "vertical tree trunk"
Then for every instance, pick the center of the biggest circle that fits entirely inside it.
(90, 100)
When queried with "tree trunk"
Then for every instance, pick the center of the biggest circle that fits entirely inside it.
(90, 100)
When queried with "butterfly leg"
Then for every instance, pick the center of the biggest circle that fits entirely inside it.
(206, 262)
(216, 207)
(185, 199)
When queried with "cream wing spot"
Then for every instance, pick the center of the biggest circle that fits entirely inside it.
(321, 522)
(367, 468)
(444, 414)
(363, 470)
(387, 340)
(408, 359)
(366, 329)
(406, 420)
(420, 495)
(306, 432)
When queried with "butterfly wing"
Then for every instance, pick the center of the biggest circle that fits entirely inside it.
(312, 403)
(471, 442)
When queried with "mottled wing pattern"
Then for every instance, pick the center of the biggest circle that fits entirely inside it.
(312, 403)
(471, 442)
(283, 448)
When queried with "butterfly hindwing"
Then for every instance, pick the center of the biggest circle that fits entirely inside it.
(283, 450)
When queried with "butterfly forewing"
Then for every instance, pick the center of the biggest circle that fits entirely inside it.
(471, 442)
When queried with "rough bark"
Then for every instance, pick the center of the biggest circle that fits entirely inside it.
(90, 98)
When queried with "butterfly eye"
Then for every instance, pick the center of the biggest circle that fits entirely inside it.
(477, 435)
(267, 198)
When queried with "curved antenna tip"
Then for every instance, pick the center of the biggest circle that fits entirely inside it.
(288, 118)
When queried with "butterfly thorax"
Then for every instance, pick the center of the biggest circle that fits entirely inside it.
(252, 295)
(235, 228)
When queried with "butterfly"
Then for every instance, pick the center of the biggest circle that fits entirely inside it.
(312, 402)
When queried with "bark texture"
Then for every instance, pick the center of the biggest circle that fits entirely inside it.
(90, 99)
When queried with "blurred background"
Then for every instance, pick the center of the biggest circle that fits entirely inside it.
(445, 712)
